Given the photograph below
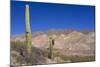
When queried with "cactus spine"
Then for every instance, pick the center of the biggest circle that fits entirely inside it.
(28, 32)
(51, 44)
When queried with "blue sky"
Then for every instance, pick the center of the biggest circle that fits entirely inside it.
(46, 16)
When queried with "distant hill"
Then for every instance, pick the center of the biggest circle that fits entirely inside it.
(63, 38)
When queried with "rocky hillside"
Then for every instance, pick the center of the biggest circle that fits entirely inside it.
(63, 39)
(67, 43)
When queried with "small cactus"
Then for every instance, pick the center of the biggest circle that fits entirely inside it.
(51, 44)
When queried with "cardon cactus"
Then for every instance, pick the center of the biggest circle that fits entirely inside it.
(28, 31)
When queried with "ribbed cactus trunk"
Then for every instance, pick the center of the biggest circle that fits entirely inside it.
(28, 31)
(51, 44)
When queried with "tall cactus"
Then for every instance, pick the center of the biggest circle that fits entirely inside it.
(28, 31)
(51, 44)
